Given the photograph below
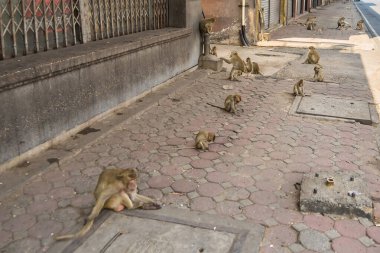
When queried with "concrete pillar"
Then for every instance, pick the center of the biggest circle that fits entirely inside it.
(85, 16)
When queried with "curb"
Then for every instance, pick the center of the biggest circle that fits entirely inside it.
(369, 26)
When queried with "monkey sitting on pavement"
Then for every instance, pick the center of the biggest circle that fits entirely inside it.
(203, 138)
(318, 73)
(311, 23)
(116, 189)
(298, 88)
(313, 56)
(237, 65)
(229, 103)
(342, 23)
(252, 67)
(360, 25)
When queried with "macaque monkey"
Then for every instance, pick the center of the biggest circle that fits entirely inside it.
(237, 64)
(311, 26)
(113, 191)
(205, 26)
(311, 23)
(213, 51)
(230, 103)
(359, 25)
(252, 67)
(234, 74)
(203, 138)
(313, 56)
(342, 23)
(318, 73)
(298, 88)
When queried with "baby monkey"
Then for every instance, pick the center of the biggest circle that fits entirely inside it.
(298, 88)
(342, 23)
(213, 51)
(318, 73)
(203, 138)
(230, 103)
(252, 67)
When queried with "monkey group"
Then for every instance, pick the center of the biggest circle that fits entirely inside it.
(239, 66)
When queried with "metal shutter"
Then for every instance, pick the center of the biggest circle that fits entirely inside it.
(265, 5)
(299, 6)
(274, 15)
(289, 15)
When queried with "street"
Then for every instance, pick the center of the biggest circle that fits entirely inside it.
(371, 12)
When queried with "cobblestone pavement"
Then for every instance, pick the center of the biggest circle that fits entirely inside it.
(249, 173)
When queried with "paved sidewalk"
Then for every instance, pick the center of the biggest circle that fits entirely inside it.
(249, 173)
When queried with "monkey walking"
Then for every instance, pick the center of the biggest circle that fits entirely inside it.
(298, 88)
(203, 138)
(360, 25)
(252, 67)
(313, 56)
(318, 73)
(238, 65)
(230, 103)
(116, 189)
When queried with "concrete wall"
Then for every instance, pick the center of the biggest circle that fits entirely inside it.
(46, 94)
(228, 20)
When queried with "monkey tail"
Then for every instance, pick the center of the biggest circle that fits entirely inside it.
(216, 106)
(81, 232)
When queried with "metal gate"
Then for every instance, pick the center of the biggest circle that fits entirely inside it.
(274, 16)
(290, 10)
(265, 5)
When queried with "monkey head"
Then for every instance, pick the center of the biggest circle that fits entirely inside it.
(127, 175)
(237, 98)
(248, 59)
(233, 53)
(211, 136)
(300, 83)
(317, 68)
(312, 48)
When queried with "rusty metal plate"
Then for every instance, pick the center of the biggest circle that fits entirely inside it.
(319, 105)
(348, 195)
(169, 230)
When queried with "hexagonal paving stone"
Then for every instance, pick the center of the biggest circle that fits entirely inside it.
(319, 222)
(218, 177)
(37, 188)
(184, 186)
(195, 173)
(263, 197)
(20, 223)
(210, 190)
(202, 204)
(201, 164)
(44, 229)
(348, 245)
(374, 233)
(229, 208)
(350, 228)
(280, 235)
(287, 216)
(28, 245)
(314, 240)
(258, 212)
(160, 182)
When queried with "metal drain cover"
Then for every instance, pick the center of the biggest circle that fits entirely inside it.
(340, 108)
(169, 230)
(348, 194)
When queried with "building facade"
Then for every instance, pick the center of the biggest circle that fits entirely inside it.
(275, 13)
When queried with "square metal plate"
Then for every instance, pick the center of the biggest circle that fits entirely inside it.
(169, 230)
(333, 107)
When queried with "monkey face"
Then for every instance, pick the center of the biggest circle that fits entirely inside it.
(211, 136)
(311, 48)
(248, 59)
(237, 99)
(233, 53)
(127, 175)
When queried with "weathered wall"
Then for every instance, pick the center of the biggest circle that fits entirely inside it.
(228, 20)
(46, 94)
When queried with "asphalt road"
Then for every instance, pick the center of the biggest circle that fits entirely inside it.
(370, 10)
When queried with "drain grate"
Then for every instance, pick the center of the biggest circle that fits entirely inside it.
(333, 107)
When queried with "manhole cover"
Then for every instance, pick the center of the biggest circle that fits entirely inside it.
(169, 230)
(347, 194)
(332, 107)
